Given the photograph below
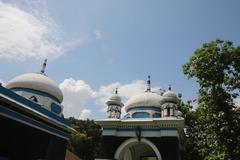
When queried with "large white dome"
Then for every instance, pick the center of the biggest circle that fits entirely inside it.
(146, 99)
(36, 81)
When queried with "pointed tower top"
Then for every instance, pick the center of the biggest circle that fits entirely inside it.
(116, 91)
(169, 87)
(148, 84)
(44, 67)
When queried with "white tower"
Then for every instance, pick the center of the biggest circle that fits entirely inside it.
(114, 106)
(169, 104)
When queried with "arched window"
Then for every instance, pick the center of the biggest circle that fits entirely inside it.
(140, 115)
(157, 115)
(56, 108)
(168, 112)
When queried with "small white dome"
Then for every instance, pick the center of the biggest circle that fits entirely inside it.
(146, 99)
(37, 82)
(169, 96)
(115, 99)
(169, 93)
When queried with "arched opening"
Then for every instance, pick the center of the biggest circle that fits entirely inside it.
(133, 149)
(168, 112)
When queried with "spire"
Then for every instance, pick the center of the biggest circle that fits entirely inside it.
(148, 84)
(169, 87)
(44, 67)
(116, 91)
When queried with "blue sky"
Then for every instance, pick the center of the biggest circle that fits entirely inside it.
(105, 43)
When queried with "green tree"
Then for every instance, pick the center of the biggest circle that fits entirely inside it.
(216, 134)
(192, 127)
(86, 142)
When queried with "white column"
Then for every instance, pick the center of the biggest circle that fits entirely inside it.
(165, 112)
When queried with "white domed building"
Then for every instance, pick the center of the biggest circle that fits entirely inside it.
(40, 89)
(151, 128)
(31, 118)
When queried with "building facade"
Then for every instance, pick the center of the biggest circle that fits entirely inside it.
(151, 129)
(32, 123)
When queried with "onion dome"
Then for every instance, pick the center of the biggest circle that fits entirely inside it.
(146, 99)
(115, 99)
(38, 82)
(169, 96)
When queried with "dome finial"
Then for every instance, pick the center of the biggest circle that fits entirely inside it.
(116, 91)
(148, 84)
(44, 67)
(169, 87)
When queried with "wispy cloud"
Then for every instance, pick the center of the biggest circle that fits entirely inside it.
(26, 35)
(29, 32)
(98, 34)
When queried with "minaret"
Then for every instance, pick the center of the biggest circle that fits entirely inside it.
(169, 103)
(43, 67)
(114, 106)
(148, 84)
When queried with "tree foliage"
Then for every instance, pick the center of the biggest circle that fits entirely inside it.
(213, 129)
(87, 140)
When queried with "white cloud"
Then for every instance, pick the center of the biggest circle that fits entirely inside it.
(85, 113)
(27, 34)
(126, 91)
(76, 93)
(105, 92)
(98, 34)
